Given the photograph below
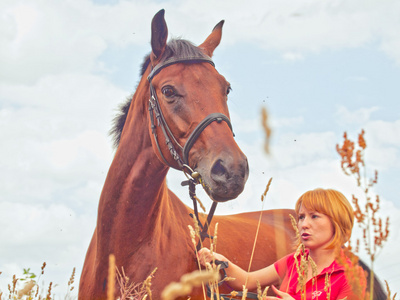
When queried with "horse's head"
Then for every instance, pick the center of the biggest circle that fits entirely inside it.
(189, 117)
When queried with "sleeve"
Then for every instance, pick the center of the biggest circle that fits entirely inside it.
(281, 266)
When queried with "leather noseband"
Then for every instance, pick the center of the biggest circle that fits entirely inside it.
(155, 111)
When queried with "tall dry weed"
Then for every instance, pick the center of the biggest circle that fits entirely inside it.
(27, 287)
(375, 230)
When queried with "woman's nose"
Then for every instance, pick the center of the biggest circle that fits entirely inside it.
(304, 223)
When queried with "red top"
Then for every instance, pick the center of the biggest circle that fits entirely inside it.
(340, 287)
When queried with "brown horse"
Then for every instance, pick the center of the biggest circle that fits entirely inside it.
(140, 220)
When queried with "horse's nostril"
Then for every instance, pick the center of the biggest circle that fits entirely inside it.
(218, 171)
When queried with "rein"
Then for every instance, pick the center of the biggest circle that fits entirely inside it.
(183, 162)
(156, 114)
(193, 177)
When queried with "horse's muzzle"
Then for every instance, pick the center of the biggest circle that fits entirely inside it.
(227, 178)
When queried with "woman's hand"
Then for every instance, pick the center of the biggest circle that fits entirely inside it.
(281, 295)
(204, 255)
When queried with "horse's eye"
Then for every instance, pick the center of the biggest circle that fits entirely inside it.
(228, 90)
(168, 91)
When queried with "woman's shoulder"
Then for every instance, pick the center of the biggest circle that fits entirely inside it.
(355, 279)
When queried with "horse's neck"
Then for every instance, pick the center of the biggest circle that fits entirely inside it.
(135, 200)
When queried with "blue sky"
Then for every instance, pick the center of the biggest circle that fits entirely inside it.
(319, 67)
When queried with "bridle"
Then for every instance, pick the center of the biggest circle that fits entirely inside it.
(183, 162)
(155, 110)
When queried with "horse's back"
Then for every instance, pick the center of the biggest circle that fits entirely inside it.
(237, 233)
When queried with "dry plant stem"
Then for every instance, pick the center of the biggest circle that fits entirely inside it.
(374, 233)
(48, 296)
(267, 129)
(258, 228)
(193, 233)
(111, 277)
(244, 295)
(261, 294)
(70, 283)
(214, 248)
(305, 261)
(389, 294)
(187, 282)
(26, 290)
(128, 290)
(147, 284)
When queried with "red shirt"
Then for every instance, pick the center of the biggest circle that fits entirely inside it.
(339, 288)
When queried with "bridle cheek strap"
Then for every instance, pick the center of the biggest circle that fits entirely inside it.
(183, 162)
(156, 114)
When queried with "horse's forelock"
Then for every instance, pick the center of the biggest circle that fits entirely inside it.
(177, 48)
(181, 49)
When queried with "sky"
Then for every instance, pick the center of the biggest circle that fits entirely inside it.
(320, 68)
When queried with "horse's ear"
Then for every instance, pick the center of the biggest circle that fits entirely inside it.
(159, 35)
(212, 41)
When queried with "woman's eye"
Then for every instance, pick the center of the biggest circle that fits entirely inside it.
(168, 91)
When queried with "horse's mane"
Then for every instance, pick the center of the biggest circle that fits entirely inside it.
(177, 48)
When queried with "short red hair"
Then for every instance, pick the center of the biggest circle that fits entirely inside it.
(334, 205)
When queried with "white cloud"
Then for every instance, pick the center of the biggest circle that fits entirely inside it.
(391, 130)
(359, 116)
(70, 36)
(64, 151)
(33, 234)
(66, 37)
(301, 26)
(383, 142)
(55, 114)
(291, 56)
(357, 78)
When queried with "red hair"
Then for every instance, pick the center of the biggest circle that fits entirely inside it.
(334, 205)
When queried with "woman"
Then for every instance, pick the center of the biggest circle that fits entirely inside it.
(324, 220)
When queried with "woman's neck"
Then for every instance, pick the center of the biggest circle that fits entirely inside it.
(322, 257)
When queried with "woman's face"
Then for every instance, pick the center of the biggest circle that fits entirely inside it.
(316, 229)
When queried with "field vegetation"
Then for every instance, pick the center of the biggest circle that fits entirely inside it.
(375, 234)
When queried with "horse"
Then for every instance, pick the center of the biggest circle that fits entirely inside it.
(140, 220)
(181, 99)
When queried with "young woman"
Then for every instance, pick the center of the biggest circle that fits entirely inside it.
(325, 220)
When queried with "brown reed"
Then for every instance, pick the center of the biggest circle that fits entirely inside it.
(26, 290)
(49, 290)
(389, 292)
(71, 280)
(263, 196)
(260, 293)
(267, 129)
(193, 234)
(302, 262)
(111, 277)
(375, 231)
(327, 287)
(188, 282)
(129, 290)
(354, 273)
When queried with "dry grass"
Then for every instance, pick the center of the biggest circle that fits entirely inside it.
(375, 231)
(375, 235)
(27, 287)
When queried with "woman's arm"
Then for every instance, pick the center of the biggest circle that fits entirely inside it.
(265, 276)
